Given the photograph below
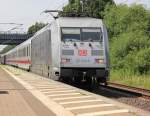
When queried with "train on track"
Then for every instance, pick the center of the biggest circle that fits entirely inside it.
(68, 48)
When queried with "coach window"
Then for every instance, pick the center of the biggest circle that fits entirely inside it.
(21, 52)
(71, 34)
(27, 51)
(91, 34)
(24, 52)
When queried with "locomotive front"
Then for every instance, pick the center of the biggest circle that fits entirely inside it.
(84, 51)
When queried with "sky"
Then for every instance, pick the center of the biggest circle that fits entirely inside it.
(27, 12)
(146, 3)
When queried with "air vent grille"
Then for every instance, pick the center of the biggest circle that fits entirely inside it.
(68, 52)
(97, 53)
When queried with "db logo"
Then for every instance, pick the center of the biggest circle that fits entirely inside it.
(82, 52)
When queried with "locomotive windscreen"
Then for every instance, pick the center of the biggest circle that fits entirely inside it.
(81, 34)
(71, 34)
(91, 35)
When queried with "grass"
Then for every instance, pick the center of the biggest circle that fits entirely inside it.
(127, 78)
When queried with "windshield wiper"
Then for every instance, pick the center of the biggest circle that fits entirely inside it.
(72, 40)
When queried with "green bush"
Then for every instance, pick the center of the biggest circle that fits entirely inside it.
(129, 30)
(143, 61)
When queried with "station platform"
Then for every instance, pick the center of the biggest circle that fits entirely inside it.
(26, 94)
(15, 100)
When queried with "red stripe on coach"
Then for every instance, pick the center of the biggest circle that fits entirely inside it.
(20, 61)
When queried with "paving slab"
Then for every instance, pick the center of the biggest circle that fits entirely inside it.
(15, 100)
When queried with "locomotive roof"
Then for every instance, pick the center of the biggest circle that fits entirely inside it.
(73, 22)
(79, 22)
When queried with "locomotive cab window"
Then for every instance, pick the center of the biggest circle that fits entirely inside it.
(71, 34)
(91, 34)
(82, 34)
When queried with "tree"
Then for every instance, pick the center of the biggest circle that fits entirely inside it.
(90, 8)
(36, 27)
(122, 18)
(129, 32)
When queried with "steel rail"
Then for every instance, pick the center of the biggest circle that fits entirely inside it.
(144, 93)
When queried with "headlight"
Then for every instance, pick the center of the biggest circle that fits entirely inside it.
(100, 61)
(65, 60)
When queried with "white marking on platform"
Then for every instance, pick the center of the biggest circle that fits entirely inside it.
(46, 86)
(33, 80)
(39, 85)
(56, 95)
(36, 81)
(89, 106)
(42, 84)
(104, 112)
(52, 92)
(80, 101)
(67, 98)
(48, 83)
(50, 87)
(54, 89)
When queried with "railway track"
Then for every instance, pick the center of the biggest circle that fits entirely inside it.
(136, 97)
(144, 93)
